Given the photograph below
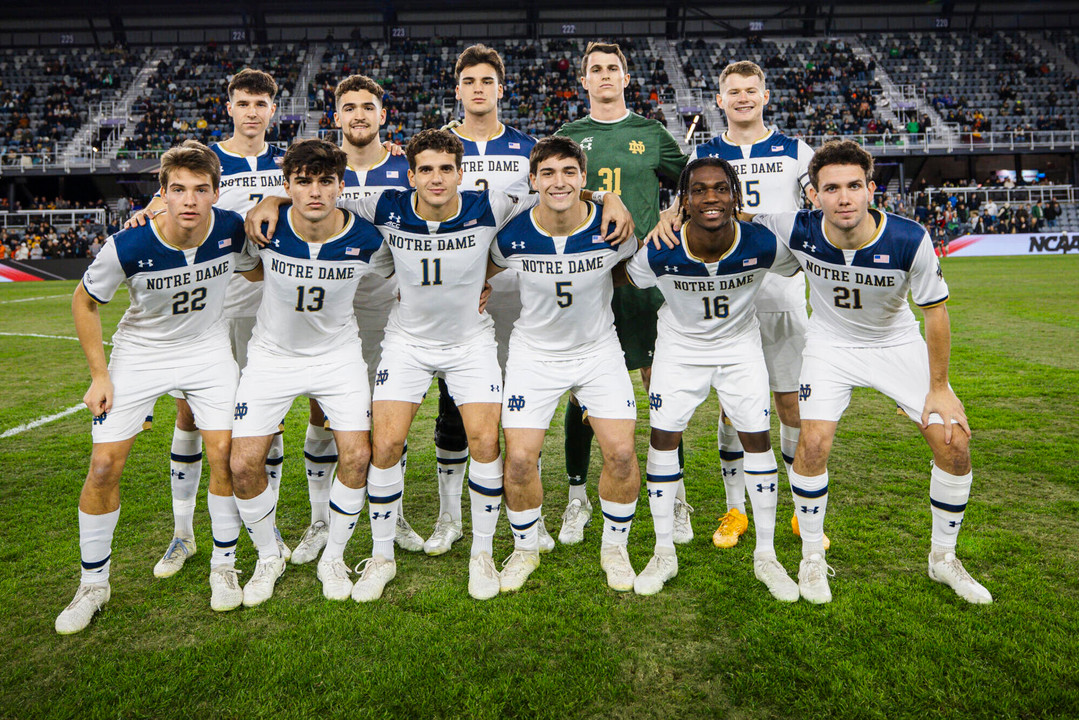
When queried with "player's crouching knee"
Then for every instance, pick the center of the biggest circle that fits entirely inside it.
(622, 462)
(954, 457)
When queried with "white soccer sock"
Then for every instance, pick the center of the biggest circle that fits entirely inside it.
(319, 458)
(525, 526)
(485, 493)
(762, 483)
(730, 463)
(662, 476)
(384, 489)
(257, 514)
(95, 545)
(186, 468)
(225, 525)
(948, 495)
(578, 492)
(617, 519)
(345, 504)
(788, 443)
(275, 461)
(810, 502)
(451, 479)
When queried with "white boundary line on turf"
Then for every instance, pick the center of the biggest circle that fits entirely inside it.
(51, 337)
(43, 297)
(41, 421)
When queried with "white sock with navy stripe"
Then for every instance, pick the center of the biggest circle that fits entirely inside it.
(788, 443)
(257, 514)
(617, 519)
(319, 458)
(662, 477)
(185, 465)
(95, 545)
(730, 463)
(762, 483)
(225, 525)
(345, 505)
(948, 495)
(384, 488)
(810, 502)
(525, 527)
(485, 492)
(451, 480)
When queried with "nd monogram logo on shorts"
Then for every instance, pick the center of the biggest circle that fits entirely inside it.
(241, 411)
(100, 419)
(381, 377)
(804, 391)
(655, 401)
(516, 402)
(636, 147)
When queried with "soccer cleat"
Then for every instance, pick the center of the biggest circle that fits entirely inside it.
(336, 583)
(813, 576)
(950, 571)
(89, 598)
(731, 527)
(225, 592)
(259, 588)
(546, 542)
(614, 559)
(180, 549)
(311, 544)
(405, 537)
(575, 519)
(769, 571)
(517, 568)
(282, 548)
(483, 580)
(375, 573)
(797, 532)
(662, 567)
(683, 528)
(446, 533)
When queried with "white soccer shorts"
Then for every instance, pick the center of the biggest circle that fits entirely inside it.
(783, 338)
(471, 371)
(677, 390)
(240, 329)
(269, 384)
(534, 387)
(829, 373)
(204, 374)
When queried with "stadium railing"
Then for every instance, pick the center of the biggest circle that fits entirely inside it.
(1026, 194)
(62, 219)
(913, 144)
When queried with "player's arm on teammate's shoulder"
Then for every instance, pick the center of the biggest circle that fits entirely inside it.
(941, 398)
(88, 328)
(155, 207)
(670, 222)
(264, 214)
(616, 221)
(393, 148)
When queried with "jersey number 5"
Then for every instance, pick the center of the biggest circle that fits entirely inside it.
(561, 291)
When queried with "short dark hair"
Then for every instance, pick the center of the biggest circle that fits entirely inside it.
(840, 152)
(732, 177)
(193, 156)
(556, 146)
(315, 157)
(612, 48)
(478, 55)
(255, 82)
(437, 140)
(355, 83)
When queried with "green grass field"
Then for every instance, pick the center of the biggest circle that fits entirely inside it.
(892, 644)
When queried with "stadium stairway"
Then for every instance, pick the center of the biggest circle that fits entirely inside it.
(309, 127)
(664, 49)
(137, 90)
(1050, 49)
(889, 90)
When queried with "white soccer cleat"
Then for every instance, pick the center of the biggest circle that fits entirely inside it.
(225, 592)
(336, 583)
(89, 598)
(405, 537)
(282, 548)
(662, 567)
(517, 568)
(950, 571)
(483, 580)
(575, 519)
(813, 574)
(683, 527)
(770, 572)
(614, 559)
(260, 587)
(180, 549)
(311, 544)
(442, 538)
(376, 572)
(546, 542)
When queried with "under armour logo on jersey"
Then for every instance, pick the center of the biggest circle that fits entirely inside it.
(518, 245)
(276, 243)
(670, 268)
(636, 147)
(809, 246)
(804, 391)
(586, 144)
(241, 411)
(811, 510)
(655, 401)
(655, 493)
(516, 402)
(631, 403)
(146, 263)
(394, 221)
(381, 377)
(771, 487)
(493, 508)
(100, 419)
(377, 515)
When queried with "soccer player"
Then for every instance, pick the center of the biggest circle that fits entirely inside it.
(626, 152)
(172, 337)
(564, 341)
(709, 337)
(861, 265)
(774, 172)
(306, 342)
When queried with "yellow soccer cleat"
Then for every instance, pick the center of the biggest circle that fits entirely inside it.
(794, 527)
(731, 527)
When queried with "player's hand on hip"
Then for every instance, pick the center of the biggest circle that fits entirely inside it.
(617, 214)
(99, 397)
(945, 403)
(485, 295)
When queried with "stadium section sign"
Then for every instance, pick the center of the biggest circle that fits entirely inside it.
(1024, 244)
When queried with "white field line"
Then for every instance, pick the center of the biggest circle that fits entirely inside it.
(41, 421)
(43, 297)
(50, 337)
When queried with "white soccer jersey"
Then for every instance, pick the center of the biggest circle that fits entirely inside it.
(440, 266)
(566, 285)
(500, 163)
(859, 297)
(708, 314)
(307, 298)
(389, 173)
(177, 296)
(774, 173)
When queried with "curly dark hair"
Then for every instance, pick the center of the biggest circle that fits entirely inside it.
(732, 176)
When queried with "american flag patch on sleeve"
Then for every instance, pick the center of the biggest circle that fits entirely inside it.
(597, 238)
(224, 243)
(881, 258)
(749, 262)
(515, 146)
(352, 251)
